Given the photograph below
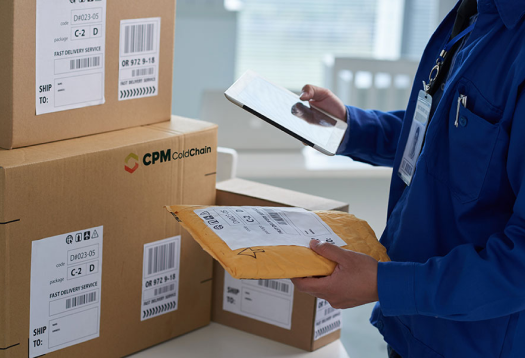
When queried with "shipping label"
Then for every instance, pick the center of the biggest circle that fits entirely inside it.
(66, 275)
(160, 278)
(269, 301)
(139, 58)
(327, 319)
(70, 54)
(250, 226)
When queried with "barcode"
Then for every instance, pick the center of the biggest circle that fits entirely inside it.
(142, 72)
(163, 290)
(407, 167)
(87, 62)
(138, 38)
(328, 329)
(161, 258)
(278, 218)
(275, 285)
(81, 300)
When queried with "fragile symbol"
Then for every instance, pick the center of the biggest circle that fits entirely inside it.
(95, 234)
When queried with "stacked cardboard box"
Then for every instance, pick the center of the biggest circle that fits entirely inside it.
(273, 308)
(83, 67)
(87, 249)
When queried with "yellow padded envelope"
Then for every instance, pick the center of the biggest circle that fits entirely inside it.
(275, 262)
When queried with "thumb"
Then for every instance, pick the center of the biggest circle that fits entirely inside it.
(331, 252)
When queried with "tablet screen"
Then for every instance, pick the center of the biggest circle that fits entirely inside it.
(284, 108)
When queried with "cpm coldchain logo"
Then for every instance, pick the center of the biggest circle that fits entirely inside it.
(133, 158)
(162, 156)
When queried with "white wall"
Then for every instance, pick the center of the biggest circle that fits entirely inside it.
(205, 50)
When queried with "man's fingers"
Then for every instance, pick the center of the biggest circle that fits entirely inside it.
(331, 252)
(311, 285)
(314, 93)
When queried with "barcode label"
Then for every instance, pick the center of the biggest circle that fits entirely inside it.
(142, 72)
(160, 278)
(161, 258)
(81, 300)
(138, 38)
(277, 217)
(82, 63)
(407, 168)
(163, 290)
(323, 331)
(275, 285)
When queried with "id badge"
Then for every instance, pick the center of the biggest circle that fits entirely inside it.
(416, 137)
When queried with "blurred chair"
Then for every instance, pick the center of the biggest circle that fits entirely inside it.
(370, 83)
(227, 160)
(239, 129)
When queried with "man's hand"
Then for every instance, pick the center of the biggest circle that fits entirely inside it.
(324, 99)
(353, 282)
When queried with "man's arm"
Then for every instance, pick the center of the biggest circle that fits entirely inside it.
(468, 284)
(371, 137)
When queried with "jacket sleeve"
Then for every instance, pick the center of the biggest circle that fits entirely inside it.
(372, 136)
(469, 283)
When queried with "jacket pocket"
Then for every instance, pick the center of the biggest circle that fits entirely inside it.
(472, 140)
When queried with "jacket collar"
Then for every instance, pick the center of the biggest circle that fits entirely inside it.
(510, 11)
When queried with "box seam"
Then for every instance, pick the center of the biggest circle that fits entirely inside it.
(98, 151)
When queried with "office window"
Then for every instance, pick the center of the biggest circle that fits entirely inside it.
(286, 40)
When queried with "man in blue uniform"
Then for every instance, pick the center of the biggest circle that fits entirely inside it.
(456, 219)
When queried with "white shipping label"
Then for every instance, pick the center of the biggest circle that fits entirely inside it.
(70, 54)
(327, 319)
(269, 301)
(160, 278)
(139, 58)
(66, 275)
(250, 226)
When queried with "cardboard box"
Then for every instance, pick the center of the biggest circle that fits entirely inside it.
(108, 192)
(61, 54)
(303, 330)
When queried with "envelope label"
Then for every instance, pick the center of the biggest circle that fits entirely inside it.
(250, 226)
(269, 301)
(66, 279)
(70, 54)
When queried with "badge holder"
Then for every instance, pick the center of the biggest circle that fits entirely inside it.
(421, 117)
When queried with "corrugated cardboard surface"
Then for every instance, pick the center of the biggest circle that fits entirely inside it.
(6, 70)
(77, 184)
(19, 125)
(245, 193)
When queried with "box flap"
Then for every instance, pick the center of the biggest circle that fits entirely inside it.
(277, 195)
(100, 142)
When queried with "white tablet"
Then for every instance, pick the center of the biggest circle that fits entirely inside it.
(283, 109)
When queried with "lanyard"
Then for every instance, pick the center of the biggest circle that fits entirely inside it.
(443, 55)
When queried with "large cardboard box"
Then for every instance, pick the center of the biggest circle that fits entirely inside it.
(83, 268)
(272, 308)
(84, 66)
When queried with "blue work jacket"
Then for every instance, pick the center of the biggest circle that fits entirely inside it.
(456, 235)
